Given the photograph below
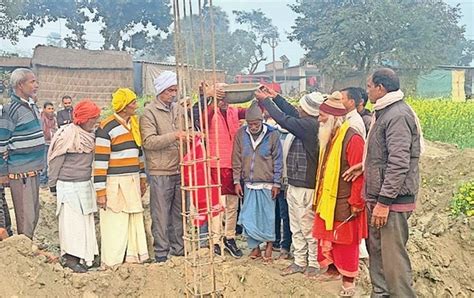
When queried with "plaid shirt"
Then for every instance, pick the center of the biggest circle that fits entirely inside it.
(296, 162)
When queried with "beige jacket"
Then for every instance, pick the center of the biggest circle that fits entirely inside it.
(158, 125)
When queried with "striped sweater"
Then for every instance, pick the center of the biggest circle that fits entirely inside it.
(116, 153)
(22, 136)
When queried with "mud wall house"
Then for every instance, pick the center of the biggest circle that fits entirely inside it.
(7, 65)
(146, 71)
(81, 73)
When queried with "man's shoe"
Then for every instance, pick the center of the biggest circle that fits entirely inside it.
(231, 247)
(74, 265)
(217, 249)
(238, 230)
(76, 268)
(179, 254)
(285, 254)
(276, 246)
(161, 259)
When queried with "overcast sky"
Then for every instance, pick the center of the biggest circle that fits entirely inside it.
(283, 17)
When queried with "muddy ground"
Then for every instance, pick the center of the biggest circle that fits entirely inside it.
(441, 250)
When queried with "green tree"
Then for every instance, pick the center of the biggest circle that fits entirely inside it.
(346, 35)
(153, 48)
(39, 12)
(8, 26)
(120, 18)
(233, 50)
(261, 31)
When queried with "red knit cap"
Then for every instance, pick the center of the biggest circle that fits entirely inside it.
(333, 105)
(84, 111)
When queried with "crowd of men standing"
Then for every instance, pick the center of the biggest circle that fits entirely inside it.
(320, 177)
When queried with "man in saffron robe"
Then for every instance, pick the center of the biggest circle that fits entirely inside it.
(340, 221)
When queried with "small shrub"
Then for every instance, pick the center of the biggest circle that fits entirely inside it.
(463, 200)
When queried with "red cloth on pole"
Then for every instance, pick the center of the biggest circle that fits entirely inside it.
(195, 175)
(227, 181)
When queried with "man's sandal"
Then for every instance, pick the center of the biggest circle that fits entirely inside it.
(312, 272)
(267, 260)
(328, 277)
(347, 292)
(292, 269)
(255, 254)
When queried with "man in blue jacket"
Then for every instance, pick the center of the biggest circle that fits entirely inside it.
(257, 160)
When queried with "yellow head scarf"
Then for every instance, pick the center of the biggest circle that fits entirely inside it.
(120, 100)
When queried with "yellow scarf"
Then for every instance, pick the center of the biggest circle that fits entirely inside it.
(326, 203)
(120, 100)
(135, 130)
(132, 126)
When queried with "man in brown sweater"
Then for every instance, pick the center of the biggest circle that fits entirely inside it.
(159, 127)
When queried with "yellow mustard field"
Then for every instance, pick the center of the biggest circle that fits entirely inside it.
(446, 121)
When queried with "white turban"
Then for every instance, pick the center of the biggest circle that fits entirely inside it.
(310, 103)
(165, 80)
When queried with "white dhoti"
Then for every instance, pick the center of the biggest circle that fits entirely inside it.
(76, 204)
(122, 226)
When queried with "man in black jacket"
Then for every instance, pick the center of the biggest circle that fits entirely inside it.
(391, 168)
(363, 112)
(301, 163)
(5, 220)
(64, 116)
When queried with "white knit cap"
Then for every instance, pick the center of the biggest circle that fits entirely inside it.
(310, 103)
(165, 80)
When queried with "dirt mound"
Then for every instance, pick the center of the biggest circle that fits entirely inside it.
(441, 250)
(25, 272)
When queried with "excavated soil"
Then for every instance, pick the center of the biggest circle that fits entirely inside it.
(441, 249)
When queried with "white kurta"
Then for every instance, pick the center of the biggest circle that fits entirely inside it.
(356, 122)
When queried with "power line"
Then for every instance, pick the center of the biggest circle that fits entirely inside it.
(42, 36)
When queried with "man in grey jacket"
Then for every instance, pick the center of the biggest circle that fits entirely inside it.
(159, 128)
(393, 149)
(302, 163)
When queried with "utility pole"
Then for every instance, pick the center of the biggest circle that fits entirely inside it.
(60, 34)
(274, 44)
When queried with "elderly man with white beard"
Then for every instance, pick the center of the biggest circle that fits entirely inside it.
(340, 220)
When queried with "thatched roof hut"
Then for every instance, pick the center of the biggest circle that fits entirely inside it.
(11, 63)
(81, 73)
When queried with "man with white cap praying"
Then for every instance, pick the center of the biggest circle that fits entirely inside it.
(159, 127)
(301, 165)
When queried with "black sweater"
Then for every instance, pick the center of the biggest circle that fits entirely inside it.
(305, 129)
